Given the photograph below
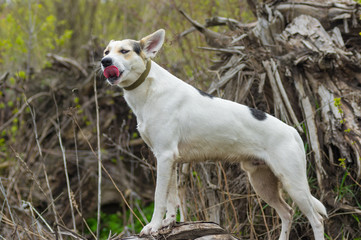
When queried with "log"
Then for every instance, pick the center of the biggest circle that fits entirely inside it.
(186, 230)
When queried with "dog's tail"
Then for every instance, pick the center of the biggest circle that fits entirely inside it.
(318, 206)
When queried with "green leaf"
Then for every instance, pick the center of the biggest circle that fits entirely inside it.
(21, 74)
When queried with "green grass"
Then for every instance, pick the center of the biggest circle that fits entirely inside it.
(115, 224)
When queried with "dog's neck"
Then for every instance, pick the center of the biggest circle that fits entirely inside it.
(142, 77)
(143, 95)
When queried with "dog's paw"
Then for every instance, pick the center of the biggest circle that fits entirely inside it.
(169, 221)
(150, 229)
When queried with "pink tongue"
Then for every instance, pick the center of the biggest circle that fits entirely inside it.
(111, 71)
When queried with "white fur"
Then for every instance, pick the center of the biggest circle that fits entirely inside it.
(181, 125)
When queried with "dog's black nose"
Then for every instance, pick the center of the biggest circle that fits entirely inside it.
(106, 62)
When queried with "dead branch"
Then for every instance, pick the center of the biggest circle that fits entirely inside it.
(327, 13)
(4, 77)
(213, 39)
(68, 62)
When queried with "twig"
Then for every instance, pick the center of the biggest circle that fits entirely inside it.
(224, 50)
(57, 127)
(2, 189)
(228, 194)
(264, 217)
(182, 188)
(31, 207)
(122, 195)
(226, 201)
(192, 183)
(99, 158)
(141, 212)
(33, 176)
(130, 154)
(208, 179)
(33, 116)
(106, 171)
(2, 127)
(78, 170)
(71, 233)
(226, 78)
(221, 21)
(26, 231)
(81, 215)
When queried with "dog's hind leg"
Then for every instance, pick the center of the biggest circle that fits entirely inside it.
(267, 186)
(299, 192)
(291, 169)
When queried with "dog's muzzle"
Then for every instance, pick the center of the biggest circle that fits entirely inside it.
(110, 71)
(106, 62)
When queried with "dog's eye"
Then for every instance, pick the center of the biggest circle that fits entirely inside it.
(123, 51)
(106, 52)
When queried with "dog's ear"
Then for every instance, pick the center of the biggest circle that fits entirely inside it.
(152, 43)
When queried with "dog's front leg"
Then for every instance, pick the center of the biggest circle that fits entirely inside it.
(165, 167)
(172, 200)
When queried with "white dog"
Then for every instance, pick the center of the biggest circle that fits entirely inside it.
(183, 124)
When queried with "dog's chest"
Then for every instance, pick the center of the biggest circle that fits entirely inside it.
(144, 134)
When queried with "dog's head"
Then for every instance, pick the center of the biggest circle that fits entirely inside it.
(124, 61)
